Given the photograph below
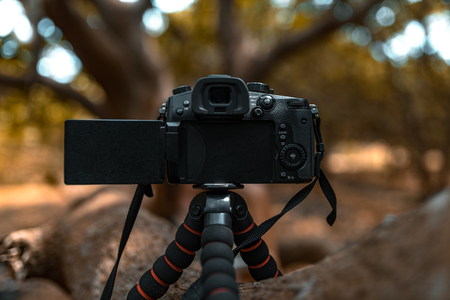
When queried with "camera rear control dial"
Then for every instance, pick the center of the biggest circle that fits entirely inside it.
(293, 156)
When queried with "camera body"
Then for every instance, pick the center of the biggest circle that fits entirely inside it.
(223, 131)
(226, 131)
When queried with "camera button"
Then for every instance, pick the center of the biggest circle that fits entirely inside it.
(282, 137)
(257, 112)
(283, 175)
(267, 102)
(282, 126)
(186, 103)
(179, 111)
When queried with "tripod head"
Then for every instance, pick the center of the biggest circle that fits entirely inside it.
(218, 186)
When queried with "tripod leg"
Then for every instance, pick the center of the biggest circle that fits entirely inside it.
(168, 268)
(261, 264)
(218, 274)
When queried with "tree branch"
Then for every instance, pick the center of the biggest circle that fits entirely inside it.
(297, 40)
(62, 89)
(228, 33)
(130, 68)
(96, 48)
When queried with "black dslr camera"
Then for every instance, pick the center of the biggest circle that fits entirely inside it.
(223, 131)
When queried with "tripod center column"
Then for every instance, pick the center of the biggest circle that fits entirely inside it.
(218, 275)
(218, 209)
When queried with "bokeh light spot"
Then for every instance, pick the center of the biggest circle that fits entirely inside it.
(438, 28)
(385, 16)
(155, 22)
(322, 4)
(434, 160)
(371, 22)
(415, 34)
(95, 21)
(55, 37)
(307, 10)
(59, 64)
(376, 49)
(9, 49)
(170, 6)
(361, 36)
(346, 32)
(342, 11)
(282, 3)
(13, 19)
(285, 17)
(45, 27)
(23, 29)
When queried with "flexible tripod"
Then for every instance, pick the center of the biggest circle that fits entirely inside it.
(215, 220)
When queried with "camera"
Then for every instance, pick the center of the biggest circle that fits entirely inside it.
(221, 131)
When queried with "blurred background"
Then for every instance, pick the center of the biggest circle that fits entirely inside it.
(379, 72)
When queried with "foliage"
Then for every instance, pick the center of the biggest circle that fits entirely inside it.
(298, 48)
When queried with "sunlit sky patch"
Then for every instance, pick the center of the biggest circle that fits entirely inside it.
(13, 19)
(170, 6)
(432, 36)
(322, 4)
(438, 27)
(414, 41)
(282, 3)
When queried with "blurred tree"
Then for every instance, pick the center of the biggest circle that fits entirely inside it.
(318, 47)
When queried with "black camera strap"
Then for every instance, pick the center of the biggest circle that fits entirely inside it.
(302, 194)
(133, 211)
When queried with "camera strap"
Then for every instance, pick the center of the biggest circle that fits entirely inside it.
(302, 194)
(133, 211)
(194, 292)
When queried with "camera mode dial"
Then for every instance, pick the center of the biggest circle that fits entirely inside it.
(258, 87)
(293, 156)
(181, 89)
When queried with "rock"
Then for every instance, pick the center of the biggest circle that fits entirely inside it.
(24, 206)
(405, 258)
(78, 249)
(41, 289)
